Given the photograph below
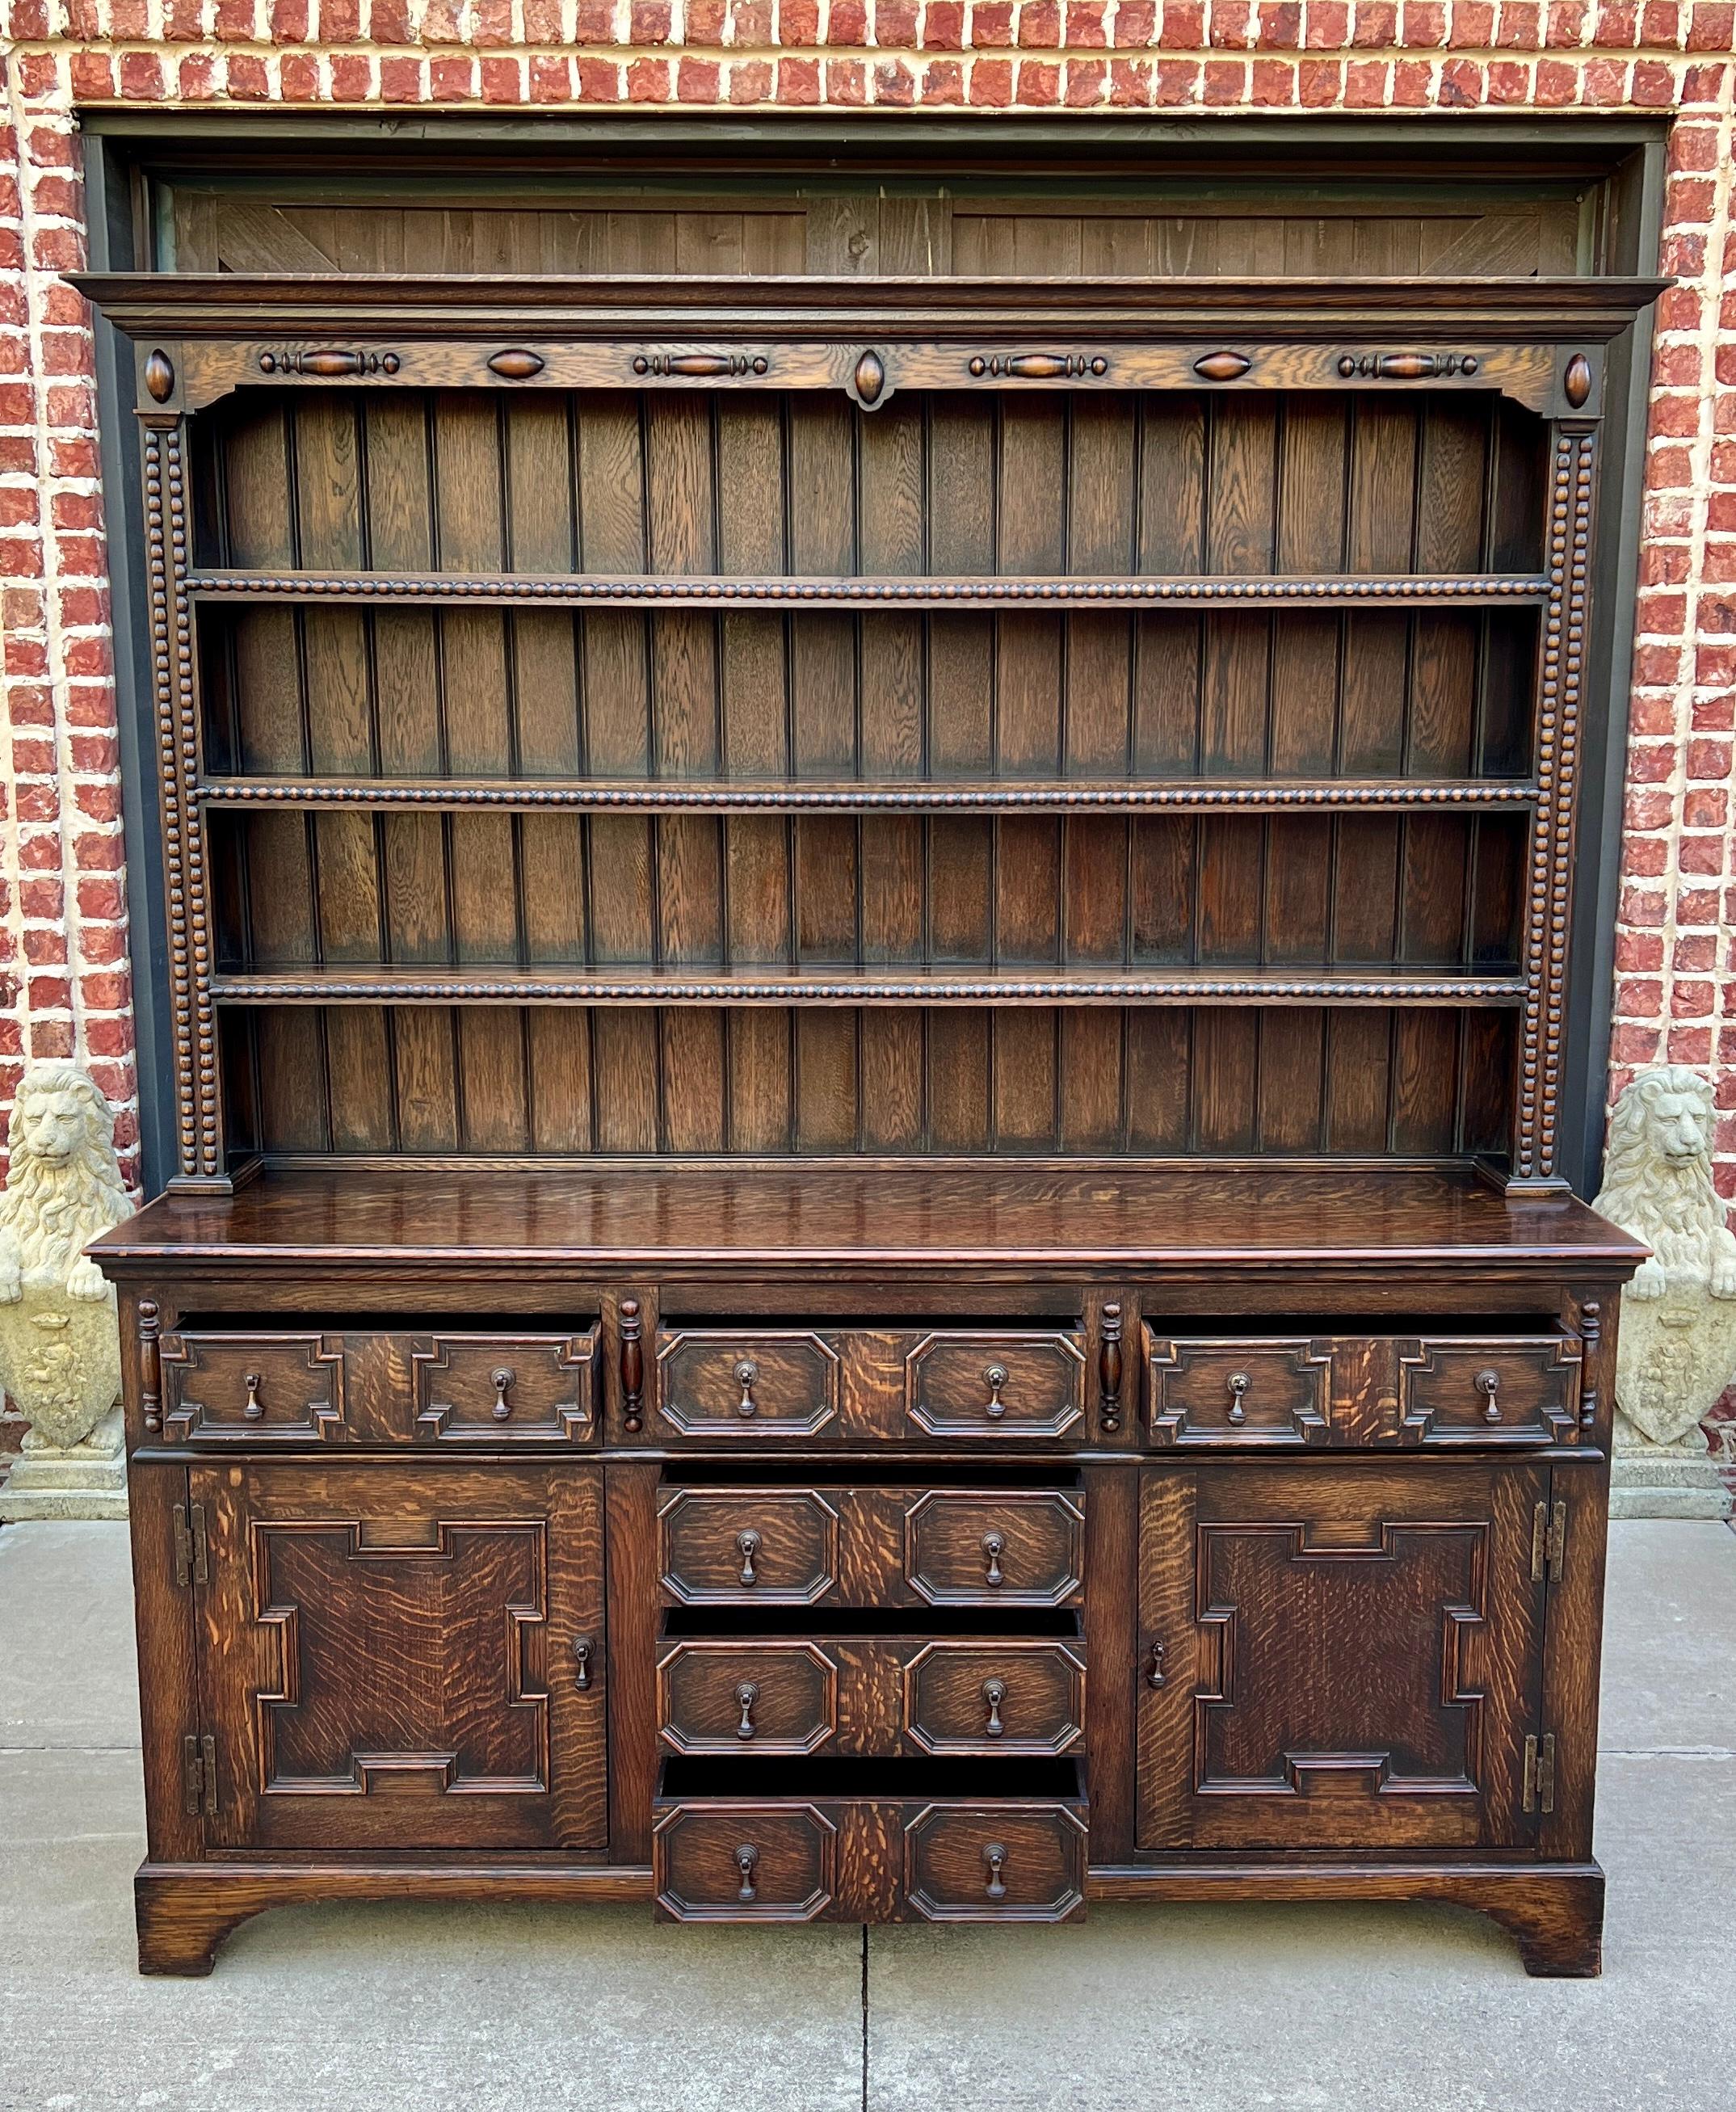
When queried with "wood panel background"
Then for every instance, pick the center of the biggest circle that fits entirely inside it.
(1277, 228)
(1144, 1082)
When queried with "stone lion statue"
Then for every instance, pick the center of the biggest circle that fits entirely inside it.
(1678, 1350)
(60, 1357)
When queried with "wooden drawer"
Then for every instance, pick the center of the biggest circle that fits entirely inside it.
(1271, 1393)
(1499, 1390)
(846, 1386)
(877, 1696)
(253, 1388)
(365, 1386)
(1001, 1385)
(746, 1382)
(868, 1546)
(504, 1389)
(878, 1856)
(1278, 1392)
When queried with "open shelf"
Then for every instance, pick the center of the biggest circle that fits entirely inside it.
(831, 986)
(704, 590)
(641, 795)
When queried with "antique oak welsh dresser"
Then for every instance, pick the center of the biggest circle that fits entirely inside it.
(868, 987)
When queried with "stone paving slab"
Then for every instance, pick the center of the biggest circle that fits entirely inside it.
(411, 2007)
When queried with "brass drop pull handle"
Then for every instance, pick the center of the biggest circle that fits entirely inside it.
(994, 1693)
(994, 1546)
(994, 1854)
(252, 1408)
(747, 1864)
(746, 1377)
(1239, 1383)
(500, 1380)
(1488, 1384)
(994, 1378)
(748, 1545)
(1155, 1675)
(746, 1695)
(582, 1648)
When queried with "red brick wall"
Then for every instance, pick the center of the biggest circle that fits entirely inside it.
(64, 974)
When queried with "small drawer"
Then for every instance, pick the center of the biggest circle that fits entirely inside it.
(743, 1861)
(995, 1696)
(1272, 1394)
(1023, 1862)
(891, 1842)
(872, 1697)
(753, 1696)
(1455, 1390)
(1006, 1547)
(747, 1383)
(872, 1546)
(1002, 1384)
(253, 1389)
(739, 1546)
(504, 1389)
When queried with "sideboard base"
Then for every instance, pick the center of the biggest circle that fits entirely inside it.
(1554, 1911)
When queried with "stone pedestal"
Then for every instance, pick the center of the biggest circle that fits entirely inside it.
(1678, 1481)
(83, 1480)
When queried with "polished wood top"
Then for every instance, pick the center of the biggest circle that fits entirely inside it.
(1030, 1219)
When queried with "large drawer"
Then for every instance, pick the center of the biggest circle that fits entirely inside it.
(871, 1546)
(455, 1388)
(883, 1697)
(1008, 1385)
(1286, 1392)
(875, 1854)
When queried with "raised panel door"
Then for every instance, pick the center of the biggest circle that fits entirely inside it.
(405, 1657)
(1337, 1658)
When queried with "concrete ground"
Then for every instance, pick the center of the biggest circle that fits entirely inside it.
(411, 2008)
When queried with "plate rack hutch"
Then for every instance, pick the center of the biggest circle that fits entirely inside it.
(868, 990)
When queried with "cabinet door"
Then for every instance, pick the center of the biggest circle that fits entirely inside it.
(1337, 1657)
(404, 1658)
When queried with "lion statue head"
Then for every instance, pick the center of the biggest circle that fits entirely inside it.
(1658, 1175)
(64, 1185)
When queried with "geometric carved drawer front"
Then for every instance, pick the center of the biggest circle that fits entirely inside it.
(1005, 1385)
(1453, 1390)
(878, 1697)
(1262, 1393)
(253, 1389)
(744, 1383)
(757, 1696)
(744, 1862)
(502, 1389)
(868, 1859)
(1014, 1547)
(995, 1697)
(988, 1862)
(740, 1546)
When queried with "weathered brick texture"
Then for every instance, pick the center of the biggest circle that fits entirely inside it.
(65, 964)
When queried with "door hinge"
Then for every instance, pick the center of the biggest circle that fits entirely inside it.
(1548, 1541)
(199, 1774)
(1540, 1782)
(192, 1546)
